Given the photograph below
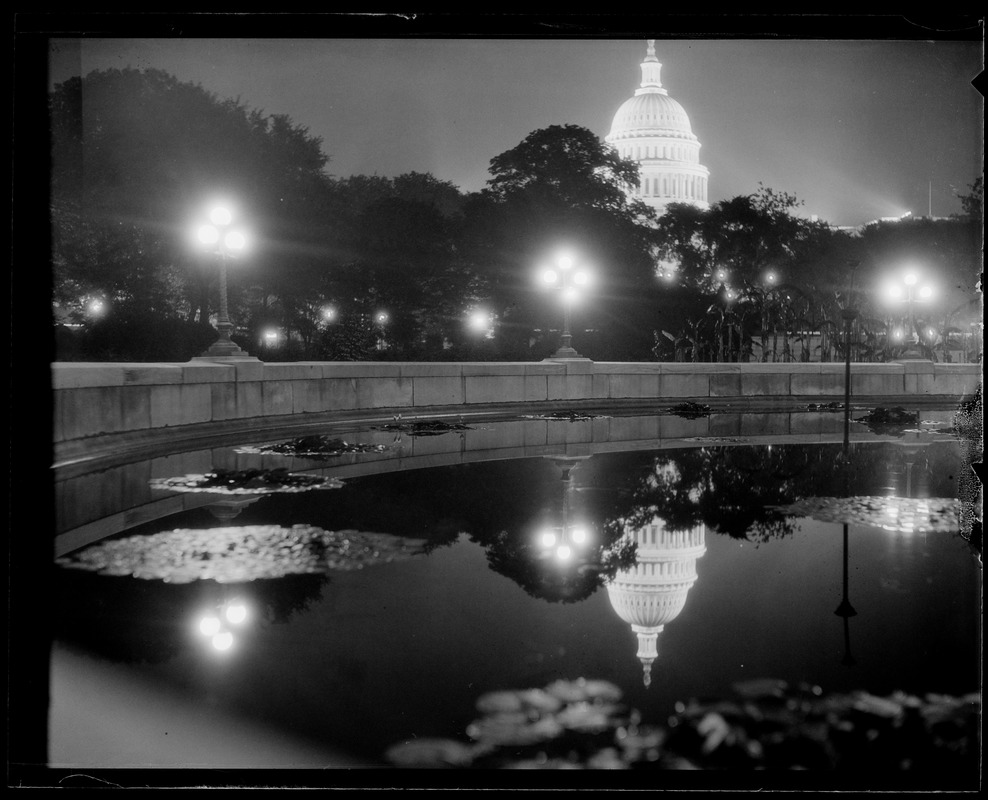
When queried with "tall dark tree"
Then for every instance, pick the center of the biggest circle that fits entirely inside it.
(136, 154)
(562, 187)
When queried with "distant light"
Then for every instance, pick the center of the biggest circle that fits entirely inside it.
(207, 234)
(236, 613)
(208, 626)
(721, 275)
(931, 333)
(270, 336)
(770, 277)
(96, 307)
(548, 539)
(480, 320)
(897, 334)
(329, 312)
(223, 641)
(381, 317)
(563, 552)
(220, 215)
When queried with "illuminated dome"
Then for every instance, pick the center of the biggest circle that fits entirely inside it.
(653, 592)
(654, 130)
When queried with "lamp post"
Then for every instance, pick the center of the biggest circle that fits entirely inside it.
(849, 315)
(908, 289)
(570, 281)
(218, 237)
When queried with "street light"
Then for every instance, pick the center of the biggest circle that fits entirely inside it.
(381, 319)
(218, 237)
(570, 281)
(909, 289)
(481, 321)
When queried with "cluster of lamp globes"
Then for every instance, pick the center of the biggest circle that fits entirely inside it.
(570, 279)
(218, 235)
(218, 627)
(561, 541)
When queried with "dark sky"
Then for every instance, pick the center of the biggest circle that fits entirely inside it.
(856, 128)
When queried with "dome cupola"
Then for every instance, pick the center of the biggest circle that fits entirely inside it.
(654, 130)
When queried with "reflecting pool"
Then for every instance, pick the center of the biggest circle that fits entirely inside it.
(368, 595)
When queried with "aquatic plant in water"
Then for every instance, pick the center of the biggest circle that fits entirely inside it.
(317, 446)
(237, 554)
(246, 481)
(765, 724)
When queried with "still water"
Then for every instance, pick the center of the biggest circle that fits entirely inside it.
(416, 569)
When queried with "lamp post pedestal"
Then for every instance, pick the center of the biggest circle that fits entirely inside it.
(224, 347)
(565, 350)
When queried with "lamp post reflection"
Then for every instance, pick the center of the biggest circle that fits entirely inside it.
(221, 624)
(846, 610)
(567, 539)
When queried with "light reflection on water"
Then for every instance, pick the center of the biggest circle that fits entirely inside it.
(338, 663)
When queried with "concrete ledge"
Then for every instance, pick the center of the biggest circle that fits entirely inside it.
(96, 401)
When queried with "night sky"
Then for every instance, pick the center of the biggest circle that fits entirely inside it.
(857, 129)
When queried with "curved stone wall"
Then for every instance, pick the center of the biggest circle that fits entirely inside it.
(104, 407)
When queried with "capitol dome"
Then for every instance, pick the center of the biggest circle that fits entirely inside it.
(653, 592)
(654, 130)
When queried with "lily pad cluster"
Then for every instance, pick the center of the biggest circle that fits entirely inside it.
(892, 421)
(905, 514)
(690, 410)
(832, 406)
(768, 724)
(240, 554)
(564, 723)
(246, 481)
(566, 416)
(425, 427)
(317, 446)
(765, 724)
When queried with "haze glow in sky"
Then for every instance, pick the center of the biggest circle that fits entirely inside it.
(855, 129)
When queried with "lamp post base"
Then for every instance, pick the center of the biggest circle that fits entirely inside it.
(567, 353)
(225, 349)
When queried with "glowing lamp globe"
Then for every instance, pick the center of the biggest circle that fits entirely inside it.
(207, 234)
(236, 613)
(235, 241)
(220, 215)
(209, 626)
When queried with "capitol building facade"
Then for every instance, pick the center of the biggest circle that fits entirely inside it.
(654, 130)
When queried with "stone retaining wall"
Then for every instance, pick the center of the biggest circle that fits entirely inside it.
(96, 400)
